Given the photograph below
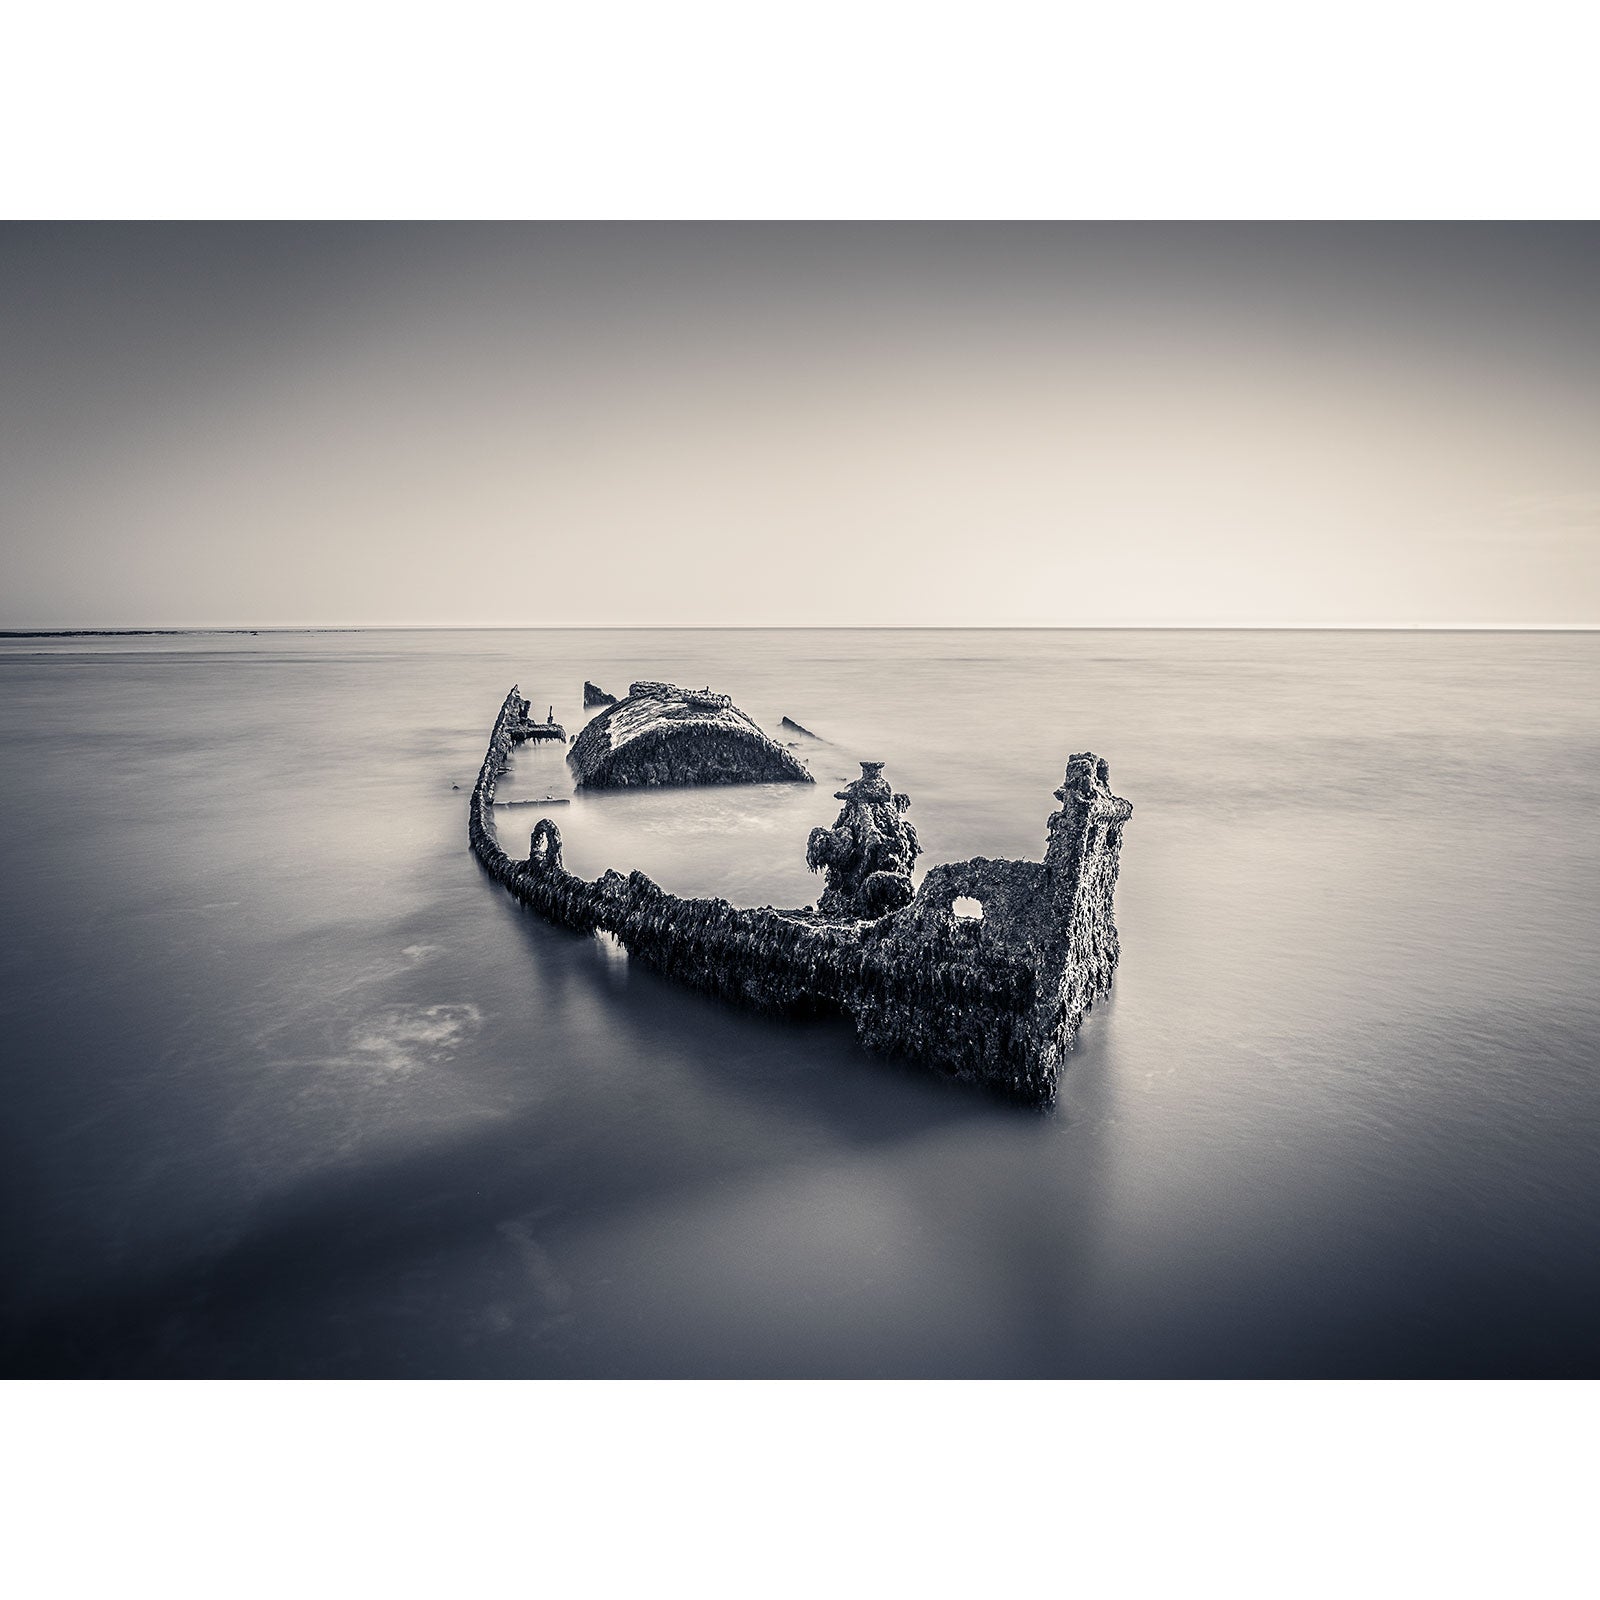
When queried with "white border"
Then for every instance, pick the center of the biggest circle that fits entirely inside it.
(798, 1489)
(867, 109)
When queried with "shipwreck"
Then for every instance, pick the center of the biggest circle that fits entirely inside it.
(983, 972)
(537, 731)
(662, 735)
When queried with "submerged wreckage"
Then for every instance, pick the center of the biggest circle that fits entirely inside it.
(994, 996)
(536, 731)
(663, 735)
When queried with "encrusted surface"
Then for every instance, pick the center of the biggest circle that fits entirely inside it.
(997, 999)
(868, 852)
(665, 736)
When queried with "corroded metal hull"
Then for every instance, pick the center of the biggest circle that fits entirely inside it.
(997, 999)
(663, 736)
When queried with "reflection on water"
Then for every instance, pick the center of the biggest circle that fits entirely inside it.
(292, 1089)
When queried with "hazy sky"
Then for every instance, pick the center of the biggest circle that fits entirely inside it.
(952, 423)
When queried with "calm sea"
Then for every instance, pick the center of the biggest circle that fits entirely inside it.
(291, 1089)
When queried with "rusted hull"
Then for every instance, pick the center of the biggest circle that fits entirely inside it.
(662, 736)
(997, 1000)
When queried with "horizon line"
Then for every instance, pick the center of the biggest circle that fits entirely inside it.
(137, 629)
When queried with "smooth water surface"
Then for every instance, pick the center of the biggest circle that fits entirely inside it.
(291, 1088)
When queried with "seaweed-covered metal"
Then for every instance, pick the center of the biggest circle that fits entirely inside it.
(996, 997)
(868, 852)
(548, 729)
(663, 735)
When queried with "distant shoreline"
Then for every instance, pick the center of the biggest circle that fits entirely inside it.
(153, 633)
(109, 633)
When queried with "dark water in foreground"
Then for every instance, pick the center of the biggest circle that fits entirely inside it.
(290, 1088)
